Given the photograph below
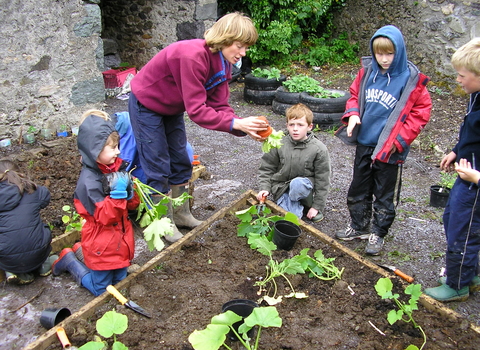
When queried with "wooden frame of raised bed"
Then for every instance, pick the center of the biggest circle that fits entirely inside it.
(248, 198)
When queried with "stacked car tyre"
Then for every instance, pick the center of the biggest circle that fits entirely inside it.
(284, 100)
(261, 91)
(327, 112)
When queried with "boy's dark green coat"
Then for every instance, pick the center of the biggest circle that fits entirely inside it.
(308, 158)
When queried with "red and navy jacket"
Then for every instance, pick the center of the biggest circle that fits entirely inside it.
(406, 108)
(107, 234)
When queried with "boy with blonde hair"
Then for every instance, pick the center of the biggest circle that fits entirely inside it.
(297, 174)
(461, 218)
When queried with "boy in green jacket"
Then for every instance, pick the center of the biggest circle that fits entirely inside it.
(297, 174)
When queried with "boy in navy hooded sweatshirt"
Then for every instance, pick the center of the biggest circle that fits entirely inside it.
(388, 108)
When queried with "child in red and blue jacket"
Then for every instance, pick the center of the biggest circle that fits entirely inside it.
(103, 197)
(388, 108)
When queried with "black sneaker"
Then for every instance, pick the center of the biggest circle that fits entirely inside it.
(350, 234)
(374, 245)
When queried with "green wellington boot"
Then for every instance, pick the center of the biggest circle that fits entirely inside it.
(474, 286)
(445, 293)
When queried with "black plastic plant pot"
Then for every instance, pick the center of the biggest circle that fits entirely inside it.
(243, 308)
(439, 196)
(51, 316)
(285, 234)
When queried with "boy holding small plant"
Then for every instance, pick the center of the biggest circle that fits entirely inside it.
(298, 173)
(461, 218)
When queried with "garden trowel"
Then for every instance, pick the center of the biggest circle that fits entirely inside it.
(128, 303)
(397, 272)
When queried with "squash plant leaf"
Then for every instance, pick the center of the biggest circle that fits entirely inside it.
(210, 338)
(264, 317)
(155, 231)
(112, 323)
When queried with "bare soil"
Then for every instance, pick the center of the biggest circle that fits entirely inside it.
(330, 318)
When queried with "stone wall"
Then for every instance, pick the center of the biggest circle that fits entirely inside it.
(52, 52)
(433, 29)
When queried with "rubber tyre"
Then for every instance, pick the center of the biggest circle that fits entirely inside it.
(280, 107)
(325, 105)
(259, 97)
(281, 95)
(254, 83)
(327, 119)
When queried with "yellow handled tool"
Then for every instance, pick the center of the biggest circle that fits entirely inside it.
(62, 336)
(128, 303)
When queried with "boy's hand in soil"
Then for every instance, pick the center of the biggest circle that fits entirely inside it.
(251, 126)
(465, 171)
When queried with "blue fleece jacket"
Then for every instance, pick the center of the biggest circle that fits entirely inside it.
(382, 91)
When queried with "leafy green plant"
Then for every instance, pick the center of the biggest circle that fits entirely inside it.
(110, 324)
(404, 313)
(267, 73)
(319, 266)
(325, 50)
(72, 219)
(447, 179)
(274, 140)
(302, 83)
(274, 269)
(152, 215)
(214, 335)
(32, 129)
(257, 219)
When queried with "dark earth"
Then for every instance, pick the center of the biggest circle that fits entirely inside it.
(329, 318)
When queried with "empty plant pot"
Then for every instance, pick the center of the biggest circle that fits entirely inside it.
(243, 308)
(51, 316)
(439, 196)
(285, 234)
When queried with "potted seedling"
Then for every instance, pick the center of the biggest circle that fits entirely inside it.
(439, 193)
(29, 136)
(46, 133)
(62, 131)
(273, 138)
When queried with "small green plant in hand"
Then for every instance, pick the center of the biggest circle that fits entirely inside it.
(213, 337)
(447, 179)
(110, 324)
(152, 215)
(404, 313)
(72, 219)
(272, 73)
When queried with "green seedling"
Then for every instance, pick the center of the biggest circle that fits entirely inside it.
(447, 180)
(72, 219)
(274, 140)
(404, 313)
(319, 266)
(272, 73)
(32, 129)
(152, 215)
(213, 337)
(257, 219)
(275, 269)
(110, 324)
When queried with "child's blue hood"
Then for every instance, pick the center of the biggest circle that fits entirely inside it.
(399, 63)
